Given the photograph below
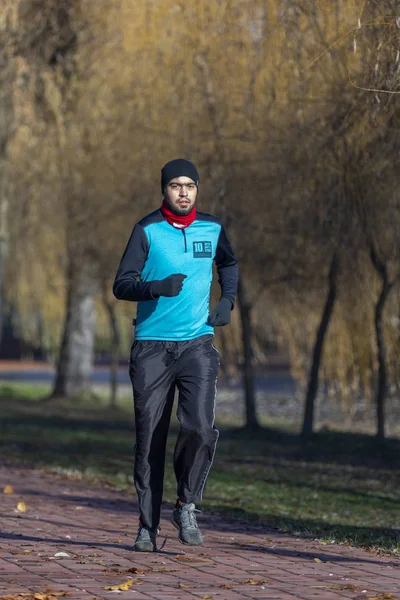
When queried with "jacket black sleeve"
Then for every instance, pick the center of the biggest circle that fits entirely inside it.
(127, 285)
(227, 268)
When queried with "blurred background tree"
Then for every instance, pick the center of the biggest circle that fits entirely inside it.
(290, 111)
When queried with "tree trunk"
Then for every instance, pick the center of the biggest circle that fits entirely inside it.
(3, 240)
(382, 369)
(76, 358)
(7, 75)
(252, 423)
(312, 388)
(381, 391)
(115, 351)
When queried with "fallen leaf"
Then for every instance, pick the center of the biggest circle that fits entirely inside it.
(384, 596)
(254, 582)
(207, 597)
(8, 489)
(183, 585)
(21, 507)
(49, 594)
(61, 555)
(346, 586)
(226, 586)
(123, 587)
(137, 571)
(164, 570)
(132, 570)
(317, 560)
(191, 558)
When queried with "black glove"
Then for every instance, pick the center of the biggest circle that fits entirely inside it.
(221, 315)
(170, 286)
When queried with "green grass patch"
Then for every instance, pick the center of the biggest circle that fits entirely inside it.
(337, 487)
(24, 391)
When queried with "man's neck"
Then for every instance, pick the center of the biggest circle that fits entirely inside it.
(177, 221)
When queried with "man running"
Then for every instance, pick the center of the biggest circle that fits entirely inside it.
(167, 269)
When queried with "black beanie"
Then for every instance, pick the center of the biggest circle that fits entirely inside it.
(178, 168)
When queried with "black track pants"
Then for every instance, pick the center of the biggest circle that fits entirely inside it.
(155, 369)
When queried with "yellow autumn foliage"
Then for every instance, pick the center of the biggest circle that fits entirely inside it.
(250, 91)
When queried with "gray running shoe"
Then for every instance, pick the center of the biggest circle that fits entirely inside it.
(146, 540)
(184, 519)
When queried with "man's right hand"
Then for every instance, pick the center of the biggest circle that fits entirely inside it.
(170, 286)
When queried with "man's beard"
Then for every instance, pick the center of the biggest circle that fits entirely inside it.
(180, 212)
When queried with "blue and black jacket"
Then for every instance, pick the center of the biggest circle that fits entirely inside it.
(156, 250)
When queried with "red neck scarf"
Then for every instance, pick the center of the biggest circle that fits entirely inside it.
(178, 221)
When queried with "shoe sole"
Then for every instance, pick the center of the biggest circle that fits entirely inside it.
(179, 538)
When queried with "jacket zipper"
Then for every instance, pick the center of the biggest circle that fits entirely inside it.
(184, 237)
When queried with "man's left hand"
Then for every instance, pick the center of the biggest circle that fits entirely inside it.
(221, 315)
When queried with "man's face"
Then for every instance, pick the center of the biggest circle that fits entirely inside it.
(180, 194)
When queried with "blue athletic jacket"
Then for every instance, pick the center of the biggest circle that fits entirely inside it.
(156, 250)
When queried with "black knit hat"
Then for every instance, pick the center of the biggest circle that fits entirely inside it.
(179, 167)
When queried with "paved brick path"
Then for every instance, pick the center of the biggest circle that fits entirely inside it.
(96, 526)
